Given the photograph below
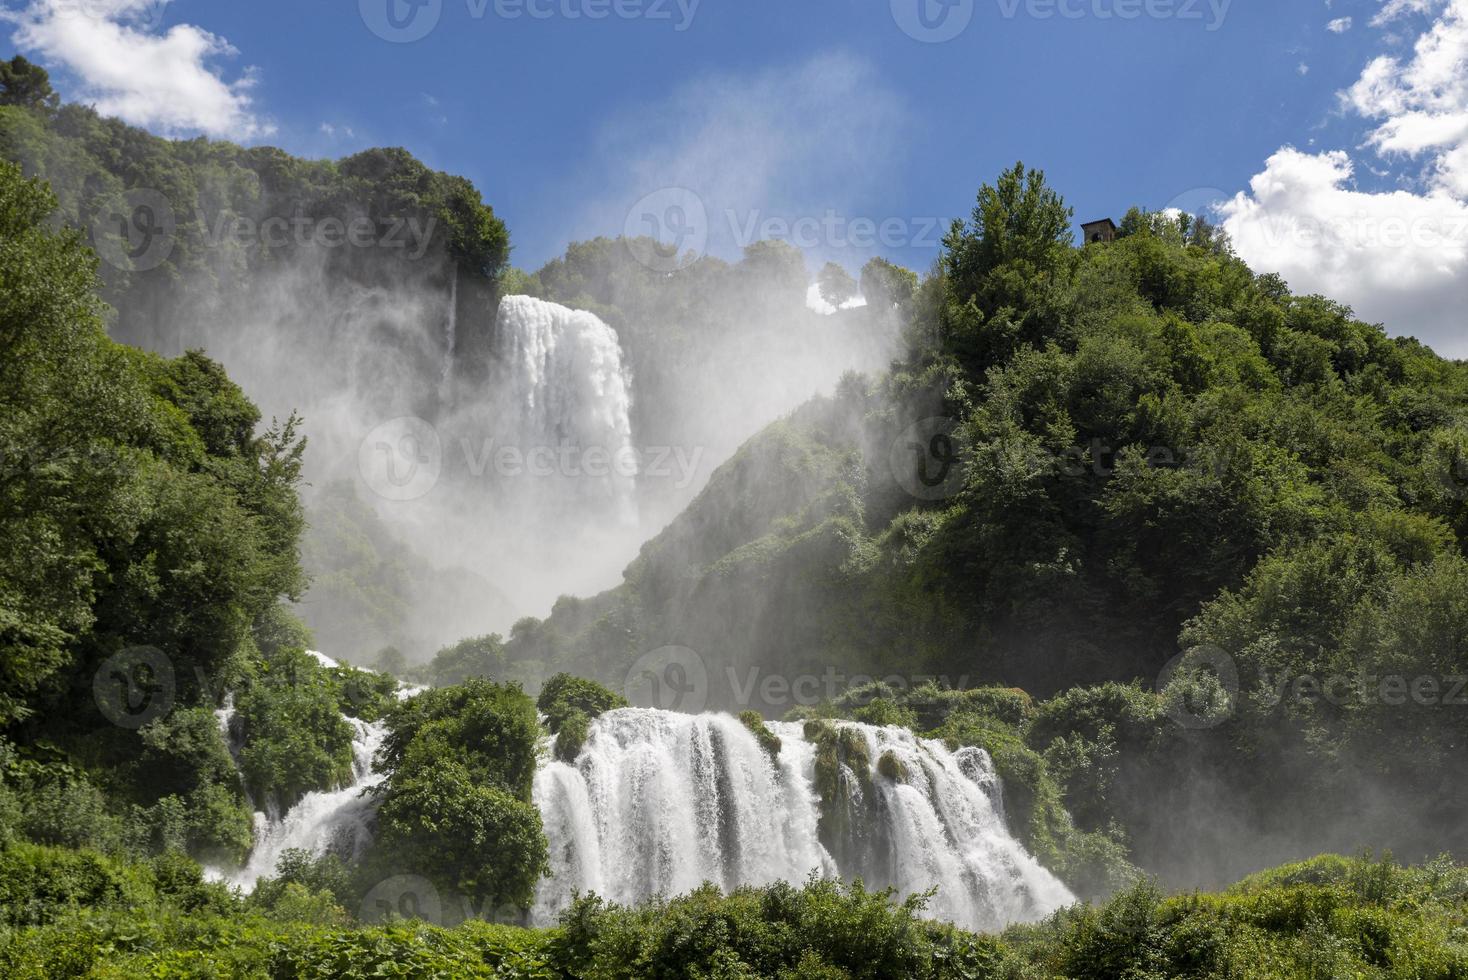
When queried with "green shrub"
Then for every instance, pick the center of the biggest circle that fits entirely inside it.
(564, 694)
(295, 738)
(38, 883)
(575, 727)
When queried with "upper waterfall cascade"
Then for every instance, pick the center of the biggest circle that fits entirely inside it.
(570, 395)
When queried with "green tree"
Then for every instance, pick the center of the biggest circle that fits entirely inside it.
(27, 85)
(885, 285)
(836, 284)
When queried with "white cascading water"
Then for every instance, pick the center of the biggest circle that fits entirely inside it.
(657, 803)
(339, 820)
(570, 397)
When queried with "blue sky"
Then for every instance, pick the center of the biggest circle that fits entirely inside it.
(799, 109)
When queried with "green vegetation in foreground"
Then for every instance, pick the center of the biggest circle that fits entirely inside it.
(77, 914)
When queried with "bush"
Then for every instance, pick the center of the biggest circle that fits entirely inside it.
(295, 738)
(572, 736)
(563, 694)
(38, 883)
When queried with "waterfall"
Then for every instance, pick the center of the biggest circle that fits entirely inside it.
(339, 820)
(569, 403)
(657, 803)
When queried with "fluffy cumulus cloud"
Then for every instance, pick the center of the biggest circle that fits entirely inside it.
(1399, 257)
(121, 62)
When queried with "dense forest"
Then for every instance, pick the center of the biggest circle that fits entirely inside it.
(1181, 551)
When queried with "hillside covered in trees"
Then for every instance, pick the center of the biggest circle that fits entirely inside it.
(1088, 461)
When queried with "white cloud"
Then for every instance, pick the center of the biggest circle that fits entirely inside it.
(165, 82)
(1395, 9)
(1401, 256)
(1340, 25)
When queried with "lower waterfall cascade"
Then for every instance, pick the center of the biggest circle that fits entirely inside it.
(657, 803)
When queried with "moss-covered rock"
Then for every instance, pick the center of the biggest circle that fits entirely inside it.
(891, 767)
(768, 740)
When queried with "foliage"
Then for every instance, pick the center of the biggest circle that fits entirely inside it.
(563, 695)
(455, 806)
(295, 738)
(477, 657)
(836, 284)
